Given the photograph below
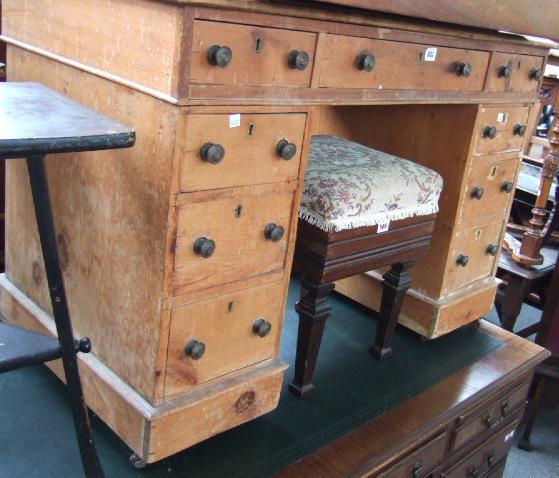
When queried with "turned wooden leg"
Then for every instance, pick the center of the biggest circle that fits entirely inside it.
(516, 291)
(531, 412)
(313, 309)
(396, 283)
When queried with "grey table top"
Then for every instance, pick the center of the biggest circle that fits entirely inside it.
(35, 120)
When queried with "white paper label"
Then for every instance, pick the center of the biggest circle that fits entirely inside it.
(509, 436)
(431, 54)
(235, 120)
(501, 118)
(383, 227)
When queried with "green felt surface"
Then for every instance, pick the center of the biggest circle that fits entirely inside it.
(36, 437)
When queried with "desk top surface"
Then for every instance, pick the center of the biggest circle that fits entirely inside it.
(36, 120)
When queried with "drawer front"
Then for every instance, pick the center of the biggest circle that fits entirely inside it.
(499, 129)
(470, 258)
(251, 153)
(397, 65)
(233, 331)
(487, 458)
(509, 72)
(258, 56)
(421, 462)
(488, 187)
(490, 416)
(236, 225)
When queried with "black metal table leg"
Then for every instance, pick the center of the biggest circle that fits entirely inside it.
(43, 212)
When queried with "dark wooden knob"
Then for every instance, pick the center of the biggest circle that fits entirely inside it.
(286, 150)
(365, 61)
(519, 129)
(261, 327)
(477, 192)
(273, 232)
(492, 249)
(204, 247)
(505, 71)
(220, 56)
(462, 260)
(212, 153)
(536, 74)
(298, 60)
(464, 69)
(195, 349)
(490, 132)
(507, 186)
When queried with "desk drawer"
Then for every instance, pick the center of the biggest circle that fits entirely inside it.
(397, 65)
(488, 189)
(233, 331)
(509, 72)
(234, 227)
(259, 56)
(469, 258)
(499, 129)
(252, 150)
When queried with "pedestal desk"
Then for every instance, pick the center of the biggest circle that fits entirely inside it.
(166, 262)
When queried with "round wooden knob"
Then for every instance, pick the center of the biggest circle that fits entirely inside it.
(536, 74)
(298, 60)
(261, 327)
(195, 349)
(477, 192)
(212, 153)
(507, 186)
(462, 260)
(204, 247)
(366, 61)
(220, 56)
(490, 132)
(273, 232)
(519, 129)
(505, 71)
(286, 150)
(464, 69)
(492, 249)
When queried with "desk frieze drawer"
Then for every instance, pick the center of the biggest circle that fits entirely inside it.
(223, 150)
(517, 73)
(352, 62)
(500, 129)
(214, 337)
(229, 54)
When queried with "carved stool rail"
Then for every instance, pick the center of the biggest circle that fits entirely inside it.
(362, 209)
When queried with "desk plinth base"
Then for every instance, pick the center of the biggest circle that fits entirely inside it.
(154, 432)
(425, 315)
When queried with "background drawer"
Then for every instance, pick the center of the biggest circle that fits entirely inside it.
(251, 155)
(522, 68)
(472, 243)
(505, 120)
(398, 65)
(236, 225)
(225, 326)
(260, 55)
(491, 175)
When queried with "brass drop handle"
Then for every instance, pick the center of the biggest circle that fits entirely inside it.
(220, 56)
(490, 459)
(536, 74)
(507, 186)
(492, 249)
(505, 71)
(477, 192)
(416, 470)
(298, 60)
(273, 232)
(204, 247)
(505, 408)
(195, 349)
(213, 153)
(286, 150)
(464, 69)
(490, 422)
(490, 132)
(462, 260)
(261, 327)
(365, 61)
(519, 129)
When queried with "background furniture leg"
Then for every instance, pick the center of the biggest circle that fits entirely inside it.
(530, 414)
(515, 292)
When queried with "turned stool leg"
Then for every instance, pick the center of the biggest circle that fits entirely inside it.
(313, 309)
(396, 283)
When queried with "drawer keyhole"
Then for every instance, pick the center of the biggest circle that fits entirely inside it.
(493, 172)
(250, 129)
(258, 46)
(239, 210)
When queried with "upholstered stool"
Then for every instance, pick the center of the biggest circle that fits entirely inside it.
(361, 209)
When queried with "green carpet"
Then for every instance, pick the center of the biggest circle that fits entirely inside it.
(37, 438)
